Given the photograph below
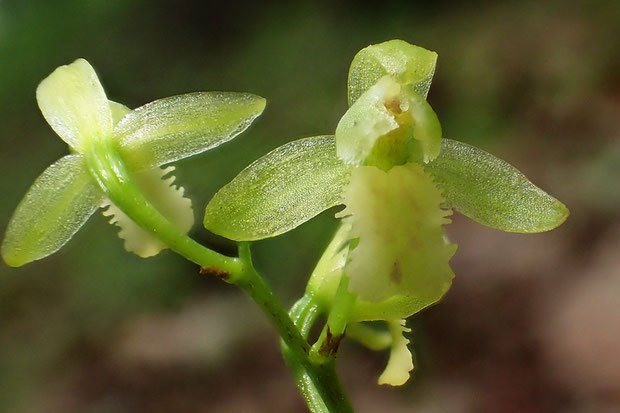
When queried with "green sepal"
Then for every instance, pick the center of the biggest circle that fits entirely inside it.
(176, 127)
(279, 191)
(75, 105)
(407, 64)
(59, 202)
(492, 192)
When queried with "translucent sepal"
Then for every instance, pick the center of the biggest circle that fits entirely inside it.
(56, 206)
(176, 127)
(166, 198)
(74, 103)
(407, 64)
(279, 191)
(493, 192)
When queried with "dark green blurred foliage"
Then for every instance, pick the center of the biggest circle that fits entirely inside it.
(528, 80)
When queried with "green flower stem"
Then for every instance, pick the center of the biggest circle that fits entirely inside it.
(304, 313)
(318, 384)
(254, 285)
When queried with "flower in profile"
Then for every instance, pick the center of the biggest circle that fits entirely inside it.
(68, 192)
(399, 180)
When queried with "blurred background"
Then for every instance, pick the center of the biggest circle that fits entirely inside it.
(532, 322)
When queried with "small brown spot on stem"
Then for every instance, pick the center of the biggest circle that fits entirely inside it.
(331, 343)
(218, 272)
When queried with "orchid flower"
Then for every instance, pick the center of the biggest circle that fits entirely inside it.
(399, 181)
(69, 191)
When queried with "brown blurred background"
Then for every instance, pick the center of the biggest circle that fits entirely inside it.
(532, 322)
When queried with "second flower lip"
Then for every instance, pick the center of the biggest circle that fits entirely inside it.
(397, 221)
(75, 105)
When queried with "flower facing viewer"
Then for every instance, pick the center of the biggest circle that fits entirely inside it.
(398, 179)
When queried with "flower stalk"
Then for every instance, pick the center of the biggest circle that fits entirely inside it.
(315, 382)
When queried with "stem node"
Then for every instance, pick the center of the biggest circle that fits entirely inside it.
(330, 345)
(216, 272)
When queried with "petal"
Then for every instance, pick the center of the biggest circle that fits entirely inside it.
(166, 198)
(56, 206)
(400, 363)
(366, 121)
(75, 105)
(388, 125)
(396, 217)
(405, 63)
(279, 191)
(176, 127)
(118, 111)
(492, 192)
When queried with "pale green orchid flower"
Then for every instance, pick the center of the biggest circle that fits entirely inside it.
(68, 192)
(398, 179)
